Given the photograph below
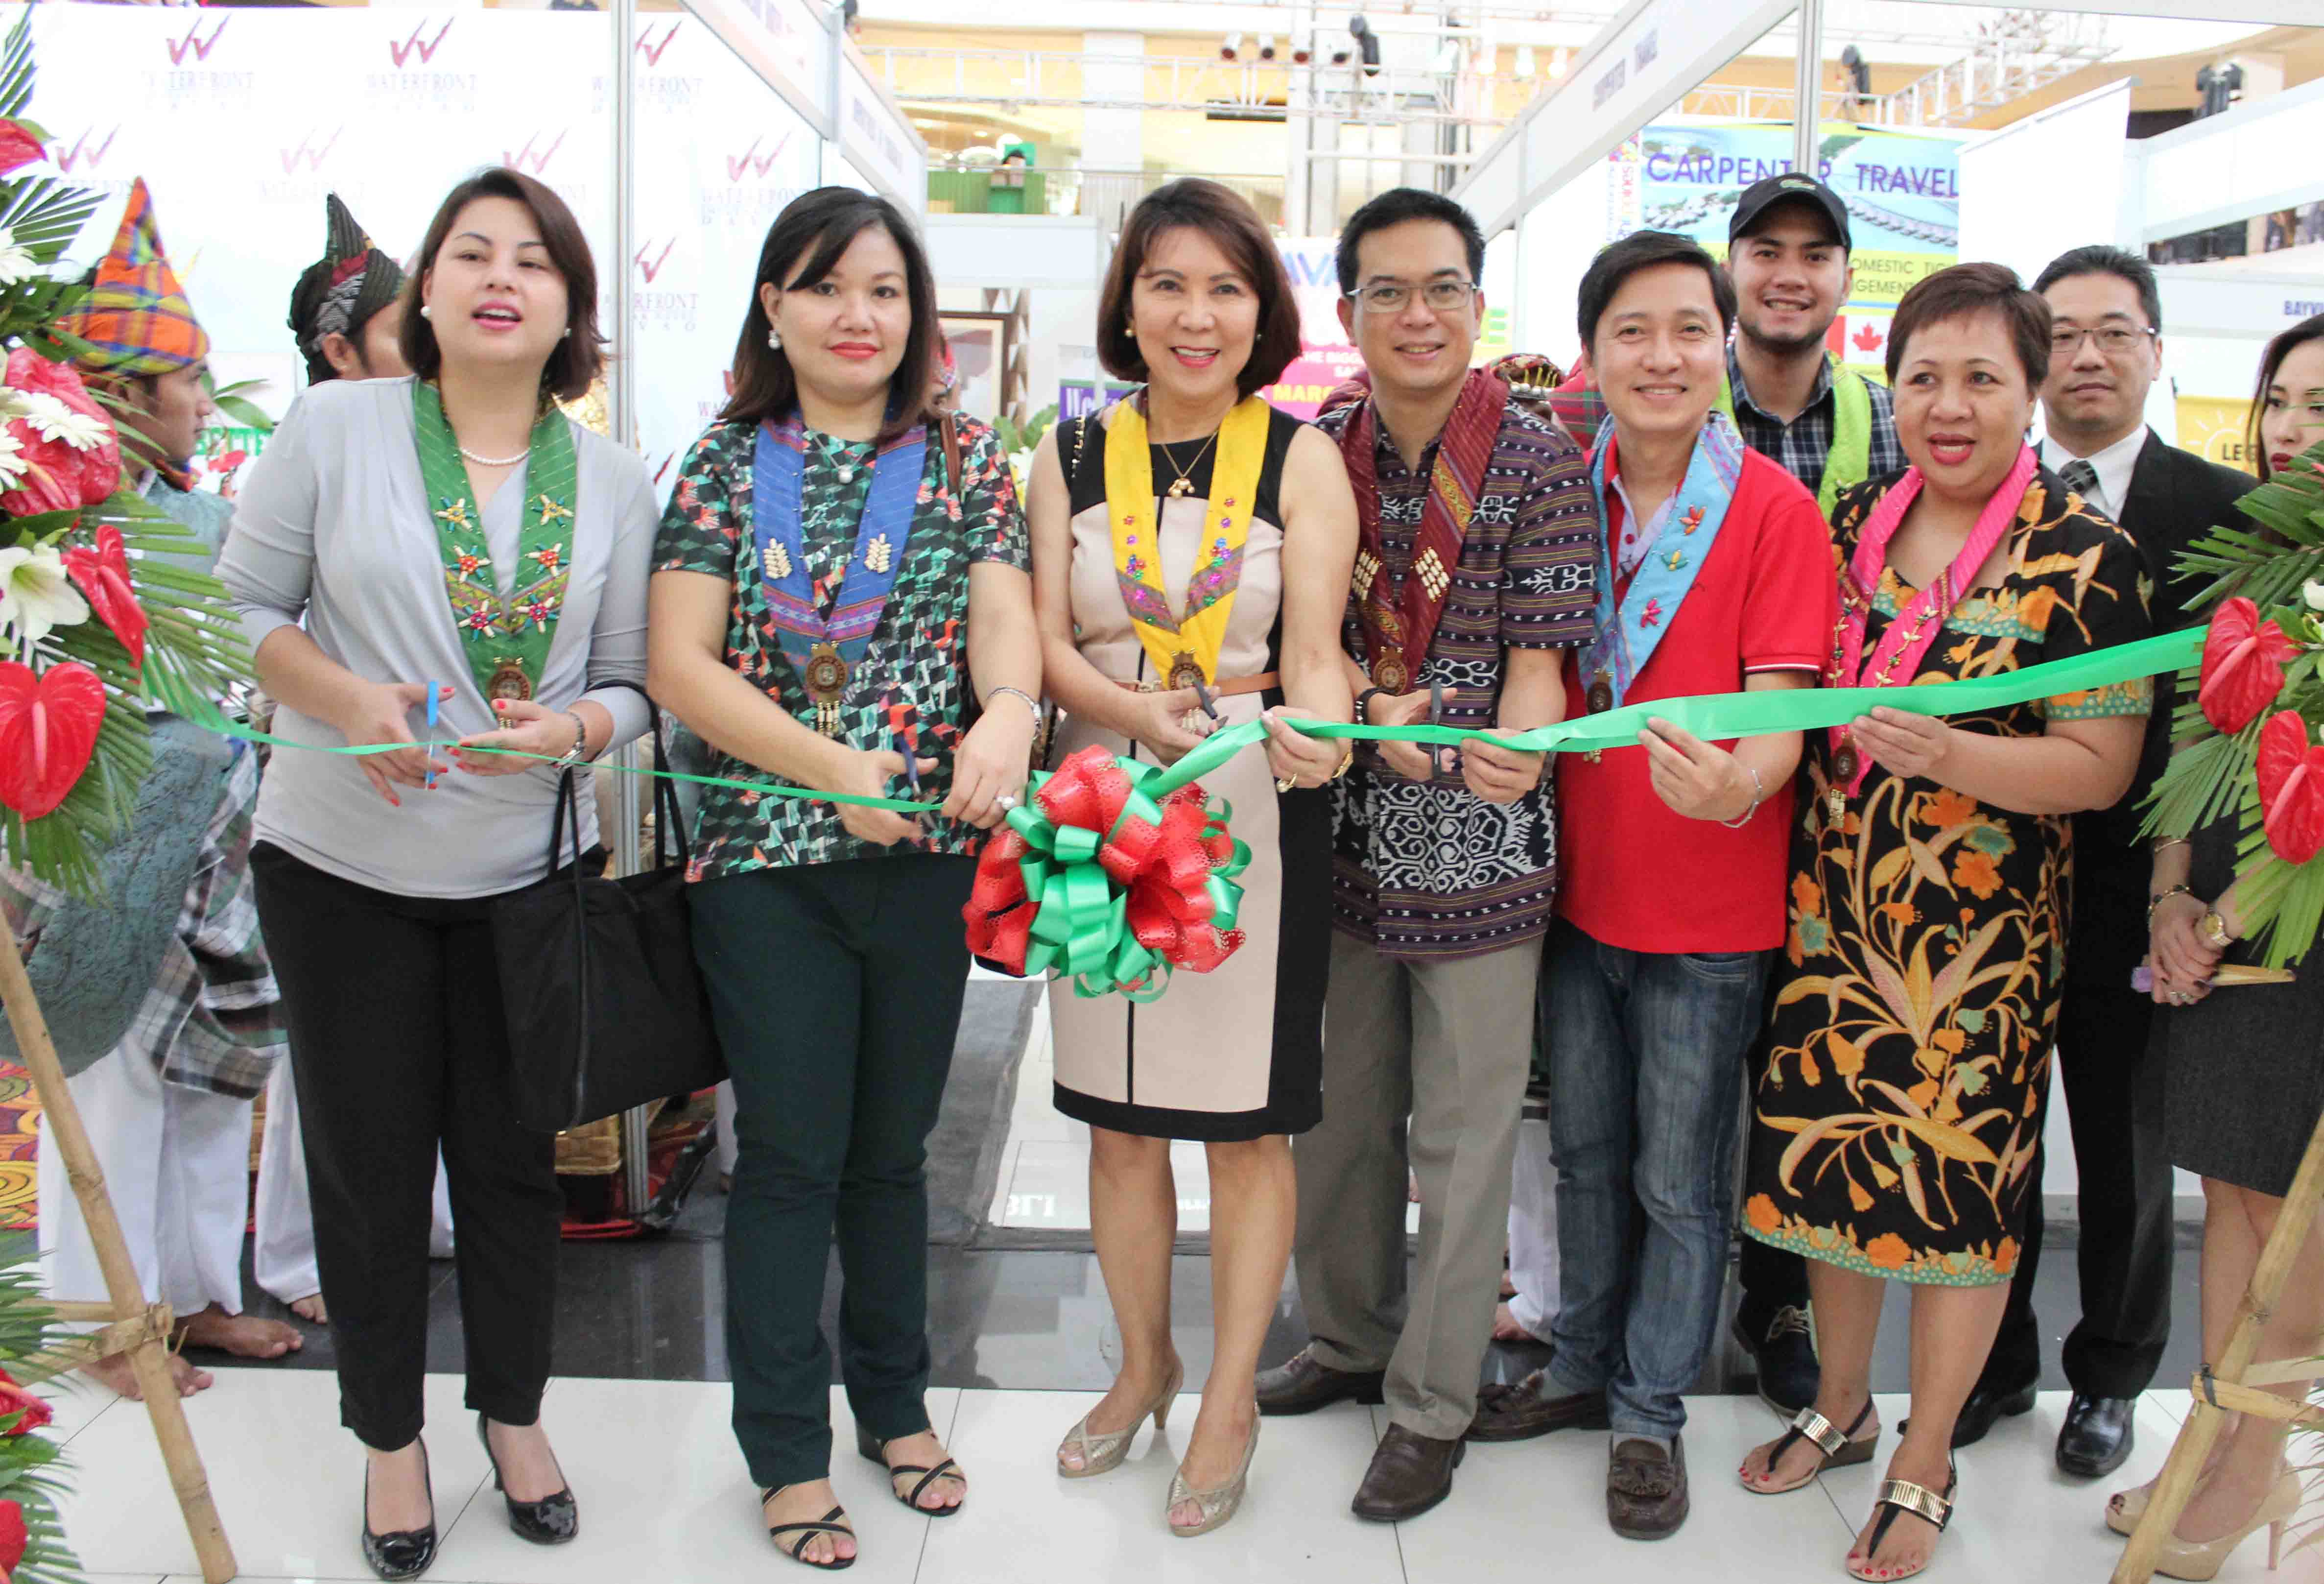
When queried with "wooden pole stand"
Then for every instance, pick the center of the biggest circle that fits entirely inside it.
(2229, 1385)
(149, 1358)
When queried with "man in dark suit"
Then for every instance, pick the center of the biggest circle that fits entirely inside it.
(2106, 352)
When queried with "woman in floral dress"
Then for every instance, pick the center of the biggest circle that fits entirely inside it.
(1895, 1129)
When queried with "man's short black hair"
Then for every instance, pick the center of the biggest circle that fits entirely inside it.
(1643, 250)
(1394, 207)
(2099, 259)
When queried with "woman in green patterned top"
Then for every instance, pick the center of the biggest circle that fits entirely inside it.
(841, 583)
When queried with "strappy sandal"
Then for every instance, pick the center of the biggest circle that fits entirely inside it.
(1902, 1496)
(806, 1534)
(876, 1450)
(1839, 1451)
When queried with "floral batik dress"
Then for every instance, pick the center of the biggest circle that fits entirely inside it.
(1894, 1126)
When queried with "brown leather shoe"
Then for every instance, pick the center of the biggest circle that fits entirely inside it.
(1301, 1385)
(1526, 1410)
(1645, 1491)
(1410, 1473)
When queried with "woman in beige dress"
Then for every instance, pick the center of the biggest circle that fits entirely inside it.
(1244, 592)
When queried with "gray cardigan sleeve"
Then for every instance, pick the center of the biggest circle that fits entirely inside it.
(268, 561)
(617, 644)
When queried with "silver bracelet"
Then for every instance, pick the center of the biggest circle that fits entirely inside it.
(1031, 703)
(1758, 793)
(578, 751)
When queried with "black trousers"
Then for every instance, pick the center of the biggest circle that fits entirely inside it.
(399, 1047)
(2113, 1102)
(837, 989)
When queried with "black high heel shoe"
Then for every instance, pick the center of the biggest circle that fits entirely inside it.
(406, 1553)
(551, 1521)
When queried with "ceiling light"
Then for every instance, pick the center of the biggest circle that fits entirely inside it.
(1525, 64)
(1303, 46)
(1231, 50)
(1560, 61)
(1448, 57)
(1266, 46)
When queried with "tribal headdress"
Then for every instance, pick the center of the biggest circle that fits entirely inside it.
(136, 317)
(341, 291)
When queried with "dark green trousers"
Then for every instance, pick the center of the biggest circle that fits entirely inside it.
(837, 989)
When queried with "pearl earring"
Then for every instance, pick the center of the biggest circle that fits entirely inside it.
(774, 339)
(425, 312)
(566, 334)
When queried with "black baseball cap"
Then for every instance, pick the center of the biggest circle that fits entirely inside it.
(1789, 186)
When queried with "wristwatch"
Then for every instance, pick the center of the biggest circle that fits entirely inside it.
(2214, 930)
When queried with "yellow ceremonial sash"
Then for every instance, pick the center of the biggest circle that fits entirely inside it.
(1185, 643)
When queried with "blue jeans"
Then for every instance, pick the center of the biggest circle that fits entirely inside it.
(1645, 1071)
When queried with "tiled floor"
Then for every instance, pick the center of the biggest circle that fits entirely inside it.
(664, 1497)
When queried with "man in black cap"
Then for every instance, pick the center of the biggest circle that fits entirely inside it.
(1788, 250)
(346, 307)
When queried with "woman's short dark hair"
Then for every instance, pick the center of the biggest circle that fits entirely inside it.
(803, 247)
(1643, 250)
(576, 361)
(1223, 216)
(1967, 290)
(2271, 364)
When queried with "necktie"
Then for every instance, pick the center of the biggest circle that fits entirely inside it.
(2083, 480)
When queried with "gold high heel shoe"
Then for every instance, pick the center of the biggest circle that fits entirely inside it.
(1218, 1503)
(1105, 1450)
(2185, 1559)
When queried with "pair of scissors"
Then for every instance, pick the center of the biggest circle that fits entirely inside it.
(433, 690)
(1203, 697)
(1436, 718)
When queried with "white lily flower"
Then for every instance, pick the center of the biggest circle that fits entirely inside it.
(2312, 591)
(54, 420)
(36, 595)
(16, 265)
(11, 461)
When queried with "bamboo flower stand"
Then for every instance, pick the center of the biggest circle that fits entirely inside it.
(142, 1330)
(2231, 1385)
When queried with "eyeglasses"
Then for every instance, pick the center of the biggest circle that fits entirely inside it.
(2113, 339)
(1391, 296)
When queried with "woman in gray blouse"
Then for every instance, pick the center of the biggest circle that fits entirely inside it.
(452, 535)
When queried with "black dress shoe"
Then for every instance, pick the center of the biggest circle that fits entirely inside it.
(1784, 1353)
(406, 1553)
(2096, 1436)
(1409, 1474)
(1986, 1408)
(551, 1521)
(1301, 1385)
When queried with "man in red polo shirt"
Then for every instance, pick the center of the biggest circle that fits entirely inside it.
(1716, 575)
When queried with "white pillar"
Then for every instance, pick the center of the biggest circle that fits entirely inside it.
(1807, 99)
(1114, 140)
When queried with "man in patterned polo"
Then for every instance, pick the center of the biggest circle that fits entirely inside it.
(1477, 572)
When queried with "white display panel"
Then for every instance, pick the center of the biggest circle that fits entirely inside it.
(2050, 182)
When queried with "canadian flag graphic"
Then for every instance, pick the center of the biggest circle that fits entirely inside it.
(1859, 340)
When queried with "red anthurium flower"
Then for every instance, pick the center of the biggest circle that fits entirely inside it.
(14, 1537)
(103, 575)
(18, 147)
(47, 732)
(2290, 788)
(2243, 665)
(34, 1412)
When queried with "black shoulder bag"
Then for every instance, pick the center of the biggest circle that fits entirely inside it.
(605, 1007)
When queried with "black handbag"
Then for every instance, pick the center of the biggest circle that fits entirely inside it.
(605, 1007)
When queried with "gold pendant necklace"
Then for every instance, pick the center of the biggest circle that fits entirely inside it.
(1183, 484)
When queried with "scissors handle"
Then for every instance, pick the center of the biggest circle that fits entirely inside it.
(1203, 697)
(433, 692)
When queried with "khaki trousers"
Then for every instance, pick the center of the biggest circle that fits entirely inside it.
(1424, 1064)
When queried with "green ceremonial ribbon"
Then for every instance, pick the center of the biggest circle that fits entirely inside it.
(1711, 716)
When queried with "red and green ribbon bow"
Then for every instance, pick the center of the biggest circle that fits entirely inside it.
(1110, 879)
